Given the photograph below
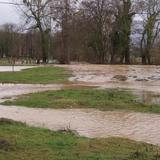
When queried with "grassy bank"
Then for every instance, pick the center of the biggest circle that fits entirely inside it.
(42, 75)
(109, 99)
(17, 142)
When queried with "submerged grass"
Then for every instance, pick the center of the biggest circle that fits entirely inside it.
(43, 75)
(22, 142)
(109, 99)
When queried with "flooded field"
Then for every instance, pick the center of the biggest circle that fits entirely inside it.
(10, 91)
(105, 73)
(144, 81)
(90, 123)
(118, 76)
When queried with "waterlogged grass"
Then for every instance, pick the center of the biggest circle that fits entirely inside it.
(19, 142)
(109, 99)
(43, 75)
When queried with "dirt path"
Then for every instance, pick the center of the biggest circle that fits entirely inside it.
(90, 123)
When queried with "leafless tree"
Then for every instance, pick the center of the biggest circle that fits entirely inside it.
(62, 14)
(124, 12)
(99, 15)
(151, 24)
(37, 14)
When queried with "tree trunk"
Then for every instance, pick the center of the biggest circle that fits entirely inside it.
(144, 62)
(148, 57)
(127, 52)
(44, 48)
(65, 54)
(65, 57)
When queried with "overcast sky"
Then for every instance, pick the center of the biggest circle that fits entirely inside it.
(8, 13)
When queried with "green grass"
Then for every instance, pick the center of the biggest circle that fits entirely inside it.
(19, 142)
(109, 99)
(5, 62)
(43, 75)
(20, 62)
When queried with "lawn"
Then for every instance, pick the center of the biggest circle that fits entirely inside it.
(43, 75)
(107, 100)
(19, 142)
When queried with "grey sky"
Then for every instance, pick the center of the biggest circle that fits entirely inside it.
(8, 13)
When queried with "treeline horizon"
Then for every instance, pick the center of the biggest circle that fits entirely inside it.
(93, 31)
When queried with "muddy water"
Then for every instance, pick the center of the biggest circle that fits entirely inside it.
(144, 81)
(93, 123)
(146, 78)
(104, 73)
(90, 123)
(10, 91)
(147, 97)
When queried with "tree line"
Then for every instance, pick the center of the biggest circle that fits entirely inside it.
(94, 31)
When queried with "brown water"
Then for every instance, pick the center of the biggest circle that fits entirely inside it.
(144, 78)
(10, 91)
(144, 81)
(94, 123)
(90, 123)
(147, 97)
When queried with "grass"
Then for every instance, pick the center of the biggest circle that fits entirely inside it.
(43, 75)
(19, 142)
(5, 62)
(109, 99)
(20, 62)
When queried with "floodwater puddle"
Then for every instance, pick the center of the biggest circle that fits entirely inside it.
(10, 91)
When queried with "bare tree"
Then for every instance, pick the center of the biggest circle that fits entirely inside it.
(37, 13)
(9, 36)
(122, 30)
(151, 25)
(62, 14)
(98, 13)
